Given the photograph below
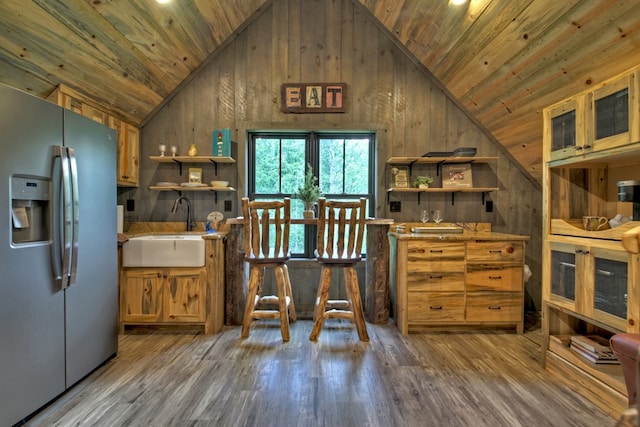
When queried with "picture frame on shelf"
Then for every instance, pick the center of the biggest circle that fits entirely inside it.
(457, 176)
(399, 177)
(195, 175)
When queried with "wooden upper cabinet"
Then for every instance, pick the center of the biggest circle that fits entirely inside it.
(95, 114)
(127, 134)
(604, 117)
(128, 137)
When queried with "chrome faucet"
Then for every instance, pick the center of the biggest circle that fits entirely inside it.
(174, 209)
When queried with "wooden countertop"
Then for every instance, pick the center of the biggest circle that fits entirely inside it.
(152, 228)
(465, 236)
(312, 221)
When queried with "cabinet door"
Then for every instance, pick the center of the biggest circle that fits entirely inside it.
(128, 147)
(140, 295)
(611, 114)
(185, 296)
(565, 265)
(561, 127)
(610, 286)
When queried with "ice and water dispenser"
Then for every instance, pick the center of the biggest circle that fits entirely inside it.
(29, 210)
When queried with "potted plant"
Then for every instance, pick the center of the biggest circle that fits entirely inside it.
(308, 193)
(422, 181)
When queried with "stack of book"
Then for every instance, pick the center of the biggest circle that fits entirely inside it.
(594, 348)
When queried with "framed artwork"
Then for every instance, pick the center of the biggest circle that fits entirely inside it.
(399, 177)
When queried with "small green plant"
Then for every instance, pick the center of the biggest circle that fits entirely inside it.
(422, 180)
(309, 192)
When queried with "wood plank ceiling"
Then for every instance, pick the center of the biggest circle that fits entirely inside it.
(504, 60)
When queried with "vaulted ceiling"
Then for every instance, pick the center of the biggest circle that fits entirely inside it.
(504, 60)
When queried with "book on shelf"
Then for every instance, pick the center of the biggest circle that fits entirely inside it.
(591, 342)
(597, 358)
(594, 349)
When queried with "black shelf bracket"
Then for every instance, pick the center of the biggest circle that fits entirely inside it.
(215, 166)
(179, 164)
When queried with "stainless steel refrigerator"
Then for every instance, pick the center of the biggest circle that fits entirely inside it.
(58, 251)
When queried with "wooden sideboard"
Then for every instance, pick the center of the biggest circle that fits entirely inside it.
(473, 278)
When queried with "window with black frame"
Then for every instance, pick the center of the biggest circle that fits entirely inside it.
(342, 162)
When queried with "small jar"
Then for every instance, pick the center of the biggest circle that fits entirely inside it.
(401, 229)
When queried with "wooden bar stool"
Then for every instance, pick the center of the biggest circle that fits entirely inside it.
(340, 232)
(266, 244)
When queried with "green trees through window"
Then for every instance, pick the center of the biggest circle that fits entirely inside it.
(343, 163)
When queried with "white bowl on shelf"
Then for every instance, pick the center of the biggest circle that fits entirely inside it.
(219, 183)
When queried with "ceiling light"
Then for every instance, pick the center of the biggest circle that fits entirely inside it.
(457, 2)
(163, 1)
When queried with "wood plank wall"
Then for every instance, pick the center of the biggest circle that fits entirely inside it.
(332, 41)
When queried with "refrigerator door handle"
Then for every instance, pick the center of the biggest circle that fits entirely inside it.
(75, 211)
(62, 217)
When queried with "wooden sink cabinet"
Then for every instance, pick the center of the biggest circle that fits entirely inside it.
(173, 296)
(163, 295)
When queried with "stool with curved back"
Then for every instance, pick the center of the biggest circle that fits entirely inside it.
(266, 245)
(340, 233)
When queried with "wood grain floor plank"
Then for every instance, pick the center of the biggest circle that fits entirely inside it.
(456, 378)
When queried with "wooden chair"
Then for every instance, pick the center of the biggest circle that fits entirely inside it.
(266, 244)
(340, 233)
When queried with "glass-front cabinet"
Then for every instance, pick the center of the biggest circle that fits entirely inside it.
(563, 274)
(600, 119)
(592, 279)
(611, 119)
(610, 290)
(563, 128)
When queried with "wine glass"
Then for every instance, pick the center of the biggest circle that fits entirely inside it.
(437, 216)
(162, 148)
(424, 216)
(174, 150)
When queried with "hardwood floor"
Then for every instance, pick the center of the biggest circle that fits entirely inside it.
(460, 378)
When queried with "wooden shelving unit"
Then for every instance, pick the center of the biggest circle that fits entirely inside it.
(435, 160)
(590, 283)
(194, 159)
(180, 160)
(439, 161)
(181, 188)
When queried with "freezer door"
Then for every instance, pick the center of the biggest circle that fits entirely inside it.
(91, 305)
(31, 307)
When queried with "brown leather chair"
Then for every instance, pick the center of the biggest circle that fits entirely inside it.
(625, 347)
(340, 233)
(266, 245)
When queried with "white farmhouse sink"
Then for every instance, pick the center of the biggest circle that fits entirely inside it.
(164, 250)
